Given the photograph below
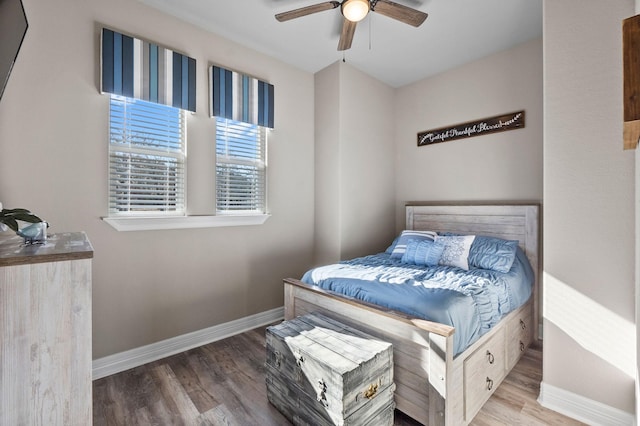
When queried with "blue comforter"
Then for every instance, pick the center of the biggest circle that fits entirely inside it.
(471, 301)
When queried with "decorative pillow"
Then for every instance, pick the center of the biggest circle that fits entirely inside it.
(405, 236)
(493, 253)
(423, 252)
(389, 249)
(456, 250)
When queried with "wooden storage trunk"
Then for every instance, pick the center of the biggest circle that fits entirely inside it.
(322, 372)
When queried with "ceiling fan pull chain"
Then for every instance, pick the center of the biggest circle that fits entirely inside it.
(370, 19)
(343, 60)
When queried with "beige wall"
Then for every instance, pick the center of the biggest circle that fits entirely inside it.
(354, 163)
(588, 205)
(493, 167)
(152, 285)
(327, 242)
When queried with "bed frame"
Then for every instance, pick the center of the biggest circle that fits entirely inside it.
(432, 386)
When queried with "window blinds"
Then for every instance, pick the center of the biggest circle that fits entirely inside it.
(240, 167)
(146, 157)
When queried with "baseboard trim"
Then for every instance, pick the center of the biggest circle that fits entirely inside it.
(583, 409)
(122, 361)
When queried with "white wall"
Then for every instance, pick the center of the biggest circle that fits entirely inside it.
(152, 285)
(488, 168)
(589, 346)
(355, 173)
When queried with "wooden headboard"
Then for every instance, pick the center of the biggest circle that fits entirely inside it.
(510, 222)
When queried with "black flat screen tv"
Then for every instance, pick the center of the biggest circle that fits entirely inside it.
(13, 27)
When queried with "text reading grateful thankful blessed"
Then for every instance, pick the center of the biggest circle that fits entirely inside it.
(500, 123)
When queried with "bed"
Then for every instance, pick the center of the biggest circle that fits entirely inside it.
(438, 381)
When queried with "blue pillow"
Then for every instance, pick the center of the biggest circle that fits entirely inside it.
(407, 235)
(422, 252)
(493, 253)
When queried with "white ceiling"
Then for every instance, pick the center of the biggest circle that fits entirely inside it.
(456, 32)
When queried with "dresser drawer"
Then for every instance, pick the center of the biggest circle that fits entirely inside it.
(519, 334)
(483, 371)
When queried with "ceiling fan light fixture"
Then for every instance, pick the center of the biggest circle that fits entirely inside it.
(355, 10)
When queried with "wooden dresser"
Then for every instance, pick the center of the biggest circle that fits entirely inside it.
(45, 326)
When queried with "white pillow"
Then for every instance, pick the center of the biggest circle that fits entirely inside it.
(456, 250)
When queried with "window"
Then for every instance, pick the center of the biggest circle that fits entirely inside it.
(240, 167)
(147, 151)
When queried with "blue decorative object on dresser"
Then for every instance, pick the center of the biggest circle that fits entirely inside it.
(36, 233)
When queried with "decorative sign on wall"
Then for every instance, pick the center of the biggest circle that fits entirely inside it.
(499, 123)
(631, 82)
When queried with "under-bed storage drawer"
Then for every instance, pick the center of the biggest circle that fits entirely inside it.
(483, 371)
(518, 336)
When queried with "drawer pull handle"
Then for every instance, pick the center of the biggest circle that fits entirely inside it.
(523, 325)
(321, 394)
(522, 346)
(489, 384)
(371, 391)
(490, 357)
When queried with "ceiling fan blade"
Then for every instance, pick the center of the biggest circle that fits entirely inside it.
(308, 10)
(346, 36)
(399, 12)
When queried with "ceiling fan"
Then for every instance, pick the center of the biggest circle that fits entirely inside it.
(354, 11)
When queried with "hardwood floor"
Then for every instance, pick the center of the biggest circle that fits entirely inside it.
(223, 383)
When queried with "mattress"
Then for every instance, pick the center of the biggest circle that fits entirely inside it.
(471, 301)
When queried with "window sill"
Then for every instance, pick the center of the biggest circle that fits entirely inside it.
(182, 222)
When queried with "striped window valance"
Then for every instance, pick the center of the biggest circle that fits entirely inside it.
(240, 97)
(141, 70)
